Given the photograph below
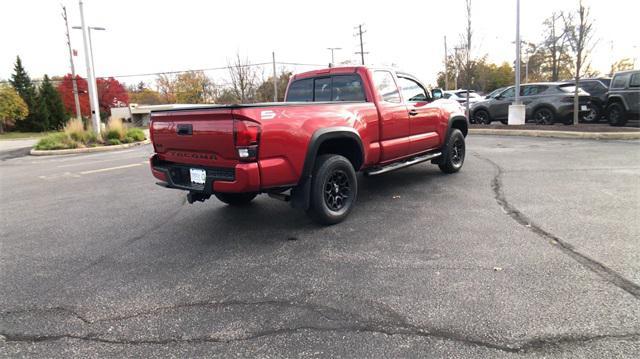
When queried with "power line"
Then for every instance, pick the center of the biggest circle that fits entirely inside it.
(194, 70)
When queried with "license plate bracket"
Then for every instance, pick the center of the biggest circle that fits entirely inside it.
(197, 175)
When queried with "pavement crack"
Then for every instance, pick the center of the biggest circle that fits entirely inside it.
(600, 269)
(532, 345)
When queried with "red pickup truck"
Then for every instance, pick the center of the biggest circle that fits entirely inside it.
(307, 150)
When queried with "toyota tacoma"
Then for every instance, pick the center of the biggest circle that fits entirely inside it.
(307, 150)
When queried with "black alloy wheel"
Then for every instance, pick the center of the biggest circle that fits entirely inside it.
(337, 190)
(543, 116)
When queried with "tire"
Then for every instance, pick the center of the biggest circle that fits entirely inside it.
(544, 116)
(482, 117)
(594, 114)
(616, 114)
(334, 189)
(504, 121)
(236, 199)
(453, 152)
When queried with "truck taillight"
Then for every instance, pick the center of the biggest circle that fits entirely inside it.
(247, 138)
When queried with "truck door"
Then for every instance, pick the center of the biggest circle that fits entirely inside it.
(423, 117)
(394, 117)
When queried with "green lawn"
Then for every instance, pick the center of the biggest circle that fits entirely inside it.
(17, 135)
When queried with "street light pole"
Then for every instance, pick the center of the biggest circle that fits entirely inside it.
(517, 109)
(517, 95)
(91, 44)
(91, 81)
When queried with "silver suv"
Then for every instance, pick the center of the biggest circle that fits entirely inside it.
(624, 97)
(546, 103)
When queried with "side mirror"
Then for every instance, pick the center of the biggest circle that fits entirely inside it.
(498, 97)
(437, 94)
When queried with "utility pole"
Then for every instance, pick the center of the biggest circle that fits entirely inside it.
(361, 52)
(73, 68)
(91, 80)
(446, 66)
(332, 49)
(275, 78)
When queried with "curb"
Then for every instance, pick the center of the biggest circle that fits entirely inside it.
(70, 151)
(559, 134)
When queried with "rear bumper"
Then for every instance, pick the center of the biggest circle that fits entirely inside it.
(244, 177)
(566, 110)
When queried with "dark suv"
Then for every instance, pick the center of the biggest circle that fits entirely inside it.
(598, 89)
(624, 97)
(546, 103)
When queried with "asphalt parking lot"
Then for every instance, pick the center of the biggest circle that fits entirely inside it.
(530, 251)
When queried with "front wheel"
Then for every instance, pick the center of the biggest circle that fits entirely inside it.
(616, 115)
(235, 199)
(334, 188)
(453, 152)
(482, 117)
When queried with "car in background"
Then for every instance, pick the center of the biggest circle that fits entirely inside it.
(494, 93)
(624, 97)
(461, 96)
(546, 103)
(598, 89)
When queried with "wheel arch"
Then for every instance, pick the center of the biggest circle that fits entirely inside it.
(344, 141)
(459, 122)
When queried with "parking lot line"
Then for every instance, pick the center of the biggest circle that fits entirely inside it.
(111, 168)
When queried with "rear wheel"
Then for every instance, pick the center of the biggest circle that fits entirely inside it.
(544, 116)
(616, 114)
(453, 152)
(482, 117)
(235, 199)
(334, 188)
(593, 116)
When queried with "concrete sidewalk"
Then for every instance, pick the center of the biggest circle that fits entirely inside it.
(14, 144)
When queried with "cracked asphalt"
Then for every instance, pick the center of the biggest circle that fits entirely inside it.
(530, 251)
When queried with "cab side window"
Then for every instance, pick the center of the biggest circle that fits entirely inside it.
(386, 86)
(412, 91)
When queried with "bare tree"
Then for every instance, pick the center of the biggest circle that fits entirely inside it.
(244, 79)
(555, 46)
(579, 37)
(466, 51)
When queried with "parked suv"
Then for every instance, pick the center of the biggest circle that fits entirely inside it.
(598, 89)
(461, 96)
(546, 103)
(624, 97)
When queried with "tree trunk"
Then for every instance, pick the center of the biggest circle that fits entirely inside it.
(576, 99)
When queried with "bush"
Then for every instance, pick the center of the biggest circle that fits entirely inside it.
(56, 141)
(114, 135)
(136, 134)
(116, 129)
(113, 141)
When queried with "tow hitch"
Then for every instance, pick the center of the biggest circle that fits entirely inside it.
(197, 197)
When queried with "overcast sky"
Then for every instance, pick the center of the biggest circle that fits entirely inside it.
(156, 36)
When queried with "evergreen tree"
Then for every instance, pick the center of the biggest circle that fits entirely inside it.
(21, 82)
(50, 101)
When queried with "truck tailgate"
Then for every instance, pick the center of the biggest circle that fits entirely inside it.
(201, 137)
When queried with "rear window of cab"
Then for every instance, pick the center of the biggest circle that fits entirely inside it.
(334, 88)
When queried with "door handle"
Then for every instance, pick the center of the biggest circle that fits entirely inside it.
(413, 113)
